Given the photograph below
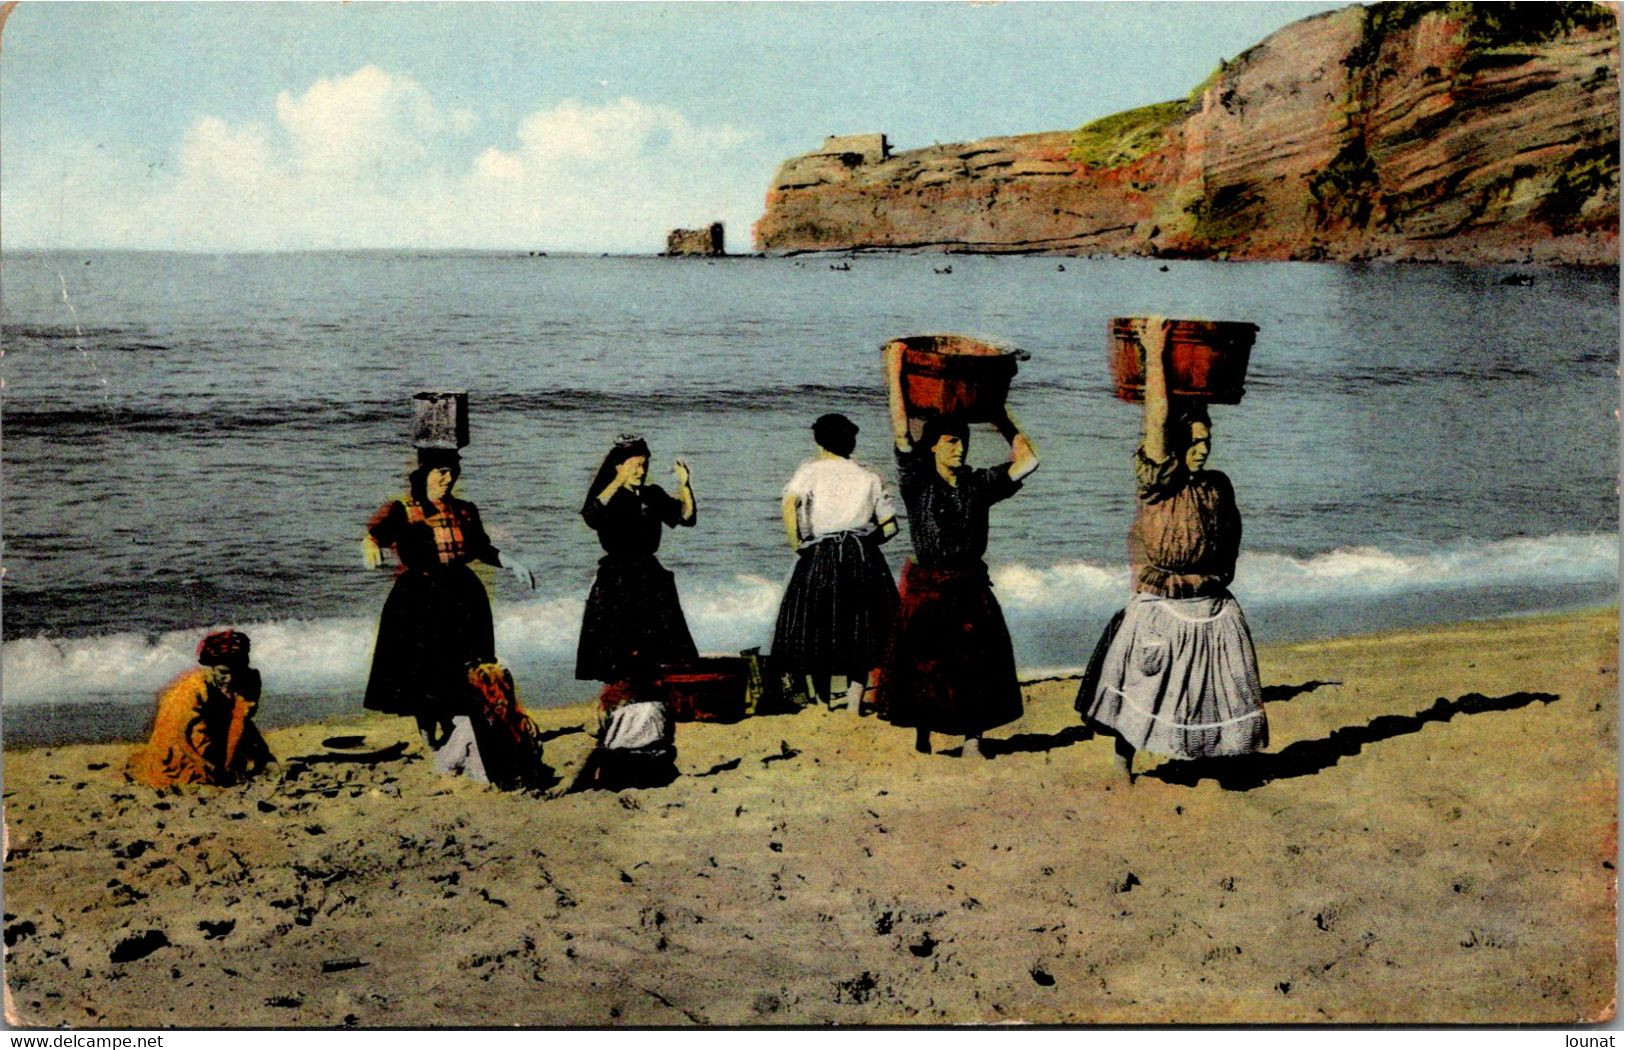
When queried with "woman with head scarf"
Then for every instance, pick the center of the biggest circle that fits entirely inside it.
(436, 623)
(1175, 673)
(837, 612)
(633, 621)
(952, 669)
(204, 731)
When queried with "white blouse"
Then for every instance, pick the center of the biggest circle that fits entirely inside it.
(837, 495)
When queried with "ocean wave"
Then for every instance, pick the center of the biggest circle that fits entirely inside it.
(1280, 579)
(725, 615)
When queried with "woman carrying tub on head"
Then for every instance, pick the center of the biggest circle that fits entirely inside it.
(633, 608)
(952, 669)
(1179, 676)
(436, 623)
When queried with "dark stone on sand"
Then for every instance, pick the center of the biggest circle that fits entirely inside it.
(336, 965)
(138, 946)
(213, 931)
(859, 989)
(1041, 976)
(1128, 882)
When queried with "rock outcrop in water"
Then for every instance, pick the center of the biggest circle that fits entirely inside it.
(705, 241)
(1428, 131)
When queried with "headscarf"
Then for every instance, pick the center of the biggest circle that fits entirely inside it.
(626, 447)
(432, 459)
(223, 647)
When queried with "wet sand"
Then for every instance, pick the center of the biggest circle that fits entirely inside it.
(1431, 839)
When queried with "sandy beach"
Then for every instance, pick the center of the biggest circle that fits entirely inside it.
(1430, 839)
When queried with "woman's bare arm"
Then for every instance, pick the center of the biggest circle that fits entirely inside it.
(685, 491)
(1154, 337)
(1023, 453)
(894, 397)
(792, 521)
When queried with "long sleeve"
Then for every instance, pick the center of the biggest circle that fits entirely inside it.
(385, 526)
(477, 543)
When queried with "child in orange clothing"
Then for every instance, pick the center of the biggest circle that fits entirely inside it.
(204, 731)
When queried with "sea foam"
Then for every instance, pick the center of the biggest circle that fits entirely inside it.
(538, 636)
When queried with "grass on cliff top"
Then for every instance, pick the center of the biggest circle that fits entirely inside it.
(1123, 138)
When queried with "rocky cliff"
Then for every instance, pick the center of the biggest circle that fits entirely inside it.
(1443, 131)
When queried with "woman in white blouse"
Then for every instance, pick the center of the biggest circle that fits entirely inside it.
(838, 609)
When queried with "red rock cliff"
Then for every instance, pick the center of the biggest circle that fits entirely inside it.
(1483, 133)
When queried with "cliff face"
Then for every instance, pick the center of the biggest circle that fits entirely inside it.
(1411, 131)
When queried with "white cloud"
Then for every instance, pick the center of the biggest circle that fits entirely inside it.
(372, 160)
(366, 124)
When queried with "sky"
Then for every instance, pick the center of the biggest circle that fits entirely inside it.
(529, 126)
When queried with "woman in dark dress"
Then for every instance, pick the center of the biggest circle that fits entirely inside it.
(633, 621)
(436, 623)
(951, 668)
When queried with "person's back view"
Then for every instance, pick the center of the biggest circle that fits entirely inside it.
(837, 613)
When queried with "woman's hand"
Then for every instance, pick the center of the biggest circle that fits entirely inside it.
(370, 554)
(622, 480)
(521, 572)
(685, 490)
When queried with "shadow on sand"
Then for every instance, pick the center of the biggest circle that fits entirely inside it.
(1280, 694)
(1308, 757)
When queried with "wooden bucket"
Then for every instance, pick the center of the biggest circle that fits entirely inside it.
(956, 375)
(710, 689)
(1206, 360)
(440, 419)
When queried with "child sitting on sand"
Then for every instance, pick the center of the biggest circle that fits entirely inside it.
(204, 731)
(636, 739)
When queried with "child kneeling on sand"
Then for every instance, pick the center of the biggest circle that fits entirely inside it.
(506, 749)
(204, 731)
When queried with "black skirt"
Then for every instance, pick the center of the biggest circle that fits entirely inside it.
(838, 610)
(434, 626)
(633, 620)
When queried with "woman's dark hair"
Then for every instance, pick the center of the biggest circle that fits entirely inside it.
(938, 427)
(432, 459)
(626, 447)
(835, 433)
(1181, 415)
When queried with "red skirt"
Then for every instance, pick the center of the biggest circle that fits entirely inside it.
(950, 668)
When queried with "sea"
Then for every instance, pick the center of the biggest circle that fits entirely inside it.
(194, 441)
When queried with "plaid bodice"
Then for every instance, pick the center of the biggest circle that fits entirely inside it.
(448, 526)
